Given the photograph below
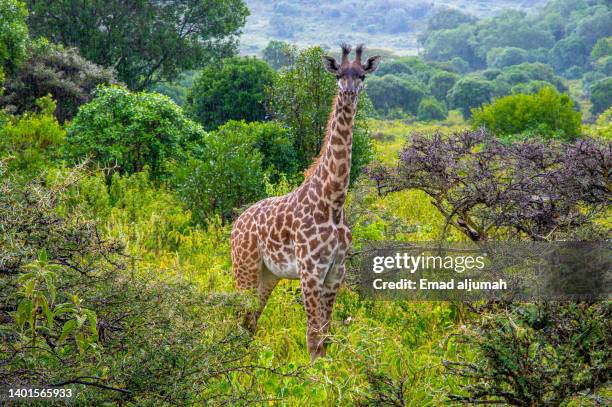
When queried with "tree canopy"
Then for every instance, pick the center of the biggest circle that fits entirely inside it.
(234, 89)
(131, 131)
(13, 34)
(145, 41)
(57, 71)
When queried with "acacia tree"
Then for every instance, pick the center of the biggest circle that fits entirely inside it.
(490, 190)
(528, 354)
(145, 41)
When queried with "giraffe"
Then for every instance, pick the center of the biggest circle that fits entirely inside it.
(304, 235)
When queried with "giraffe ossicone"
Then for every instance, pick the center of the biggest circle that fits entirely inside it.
(303, 235)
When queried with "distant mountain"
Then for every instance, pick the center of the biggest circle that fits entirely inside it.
(388, 24)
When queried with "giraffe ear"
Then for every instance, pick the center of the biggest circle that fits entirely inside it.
(371, 64)
(330, 64)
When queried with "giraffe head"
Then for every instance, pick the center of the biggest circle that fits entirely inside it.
(351, 75)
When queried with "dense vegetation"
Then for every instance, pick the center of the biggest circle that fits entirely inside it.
(116, 202)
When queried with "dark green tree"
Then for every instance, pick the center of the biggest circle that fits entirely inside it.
(278, 54)
(509, 29)
(446, 18)
(469, 93)
(431, 109)
(392, 92)
(145, 41)
(546, 114)
(13, 34)
(444, 45)
(129, 131)
(441, 83)
(272, 140)
(506, 56)
(233, 90)
(223, 173)
(53, 70)
(568, 52)
(601, 95)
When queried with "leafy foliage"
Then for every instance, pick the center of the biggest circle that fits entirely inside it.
(469, 93)
(222, 173)
(441, 83)
(53, 70)
(430, 109)
(73, 314)
(489, 190)
(13, 34)
(546, 114)
(389, 92)
(279, 54)
(32, 141)
(601, 95)
(146, 41)
(536, 354)
(129, 131)
(232, 91)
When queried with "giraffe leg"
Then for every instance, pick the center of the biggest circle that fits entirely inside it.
(328, 294)
(265, 286)
(247, 265)
(311, 284)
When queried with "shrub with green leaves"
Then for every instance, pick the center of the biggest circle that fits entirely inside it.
(222, 173)
(13, 33)
(469, 93)
(128, 131)
(51, 69)
(547, 114)
(441, 83)
(77, 312)
(231, 90)
(392, 91)
(536, 354)
(33, 141)
(272, 140)
(431, 109)
(601, 95)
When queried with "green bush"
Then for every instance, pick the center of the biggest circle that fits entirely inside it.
(547, 114)
(232, 91)
(13, 33)
(77, 309)
(32, 141)
(536, 354)
(392, 91)
(441, 83)
(506, 56)
(430, 109)
(601, 95)
(54, 70)
(469, 93)
(272, 140)
(223, 173)
(130, 131)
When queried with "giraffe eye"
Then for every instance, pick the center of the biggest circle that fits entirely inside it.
(338, 76)
(362, 77)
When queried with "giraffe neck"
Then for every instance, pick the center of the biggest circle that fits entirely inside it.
(334, 167)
